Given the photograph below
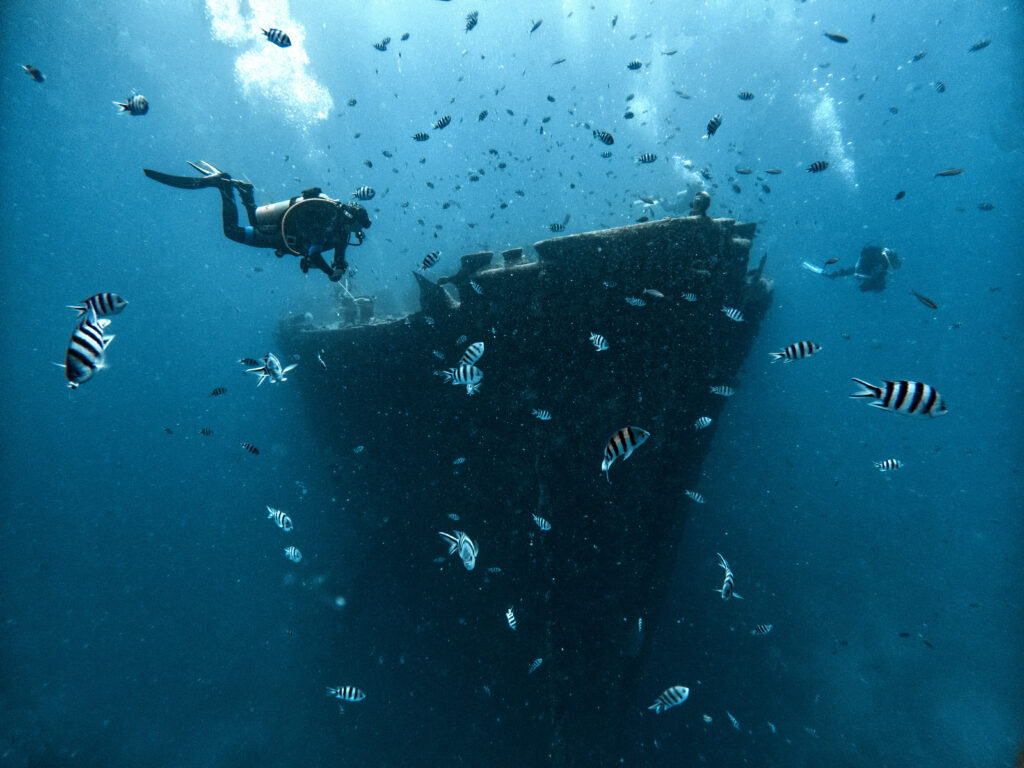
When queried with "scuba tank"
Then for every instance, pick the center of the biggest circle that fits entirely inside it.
(273, 213)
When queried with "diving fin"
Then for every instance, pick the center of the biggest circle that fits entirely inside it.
(211, 177)
(813, 268)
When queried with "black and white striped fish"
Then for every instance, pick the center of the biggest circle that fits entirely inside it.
(691, 297)
(600, 342)
(278, 516)
(86, 351)
(277, 37)
(346, 693)
(713, 126)
(133, 105)
(534, 665)
(604, 137)
(543, 524)
(249, 361)
(383, 44)
(911, 398)
(364, 193)
(797, 351)
(472, 354)
(443, 122)
(888, 465)
(761, 630)
(420, 136)
(468, 376)
(100, 304)
(542, 414)
(482, 116)
(635, 302)
(251, 448)
(510, 617)
(670, 697)
(218, 391)
(702, 423)
(465, 546)
(430, 260)
(723, 390)
(745, 95)
(634, 65)
(733, 314)
(557, 227)
(647, 157)
(293, 554)
(623, 443)
(727, 589)
(697, 497)
(471, 20)
(817, 166)
(33, 72)
(476, 287)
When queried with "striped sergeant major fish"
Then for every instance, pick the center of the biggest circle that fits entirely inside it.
(542, 414)
(364, 193)
(702, 423)
(733, 720)
(277, 37)
(600, 342)
(471, 20)
(622, 443)
(278, 516)
(293, 554)
(646, 158)
(86, 351)
(510, 616)
(696, 496)
(723, 390)
(420, 136)
(472, 354)
(691, 297)
(911, 398)
(761, 630)
(133, 105)
(888, 465)
(442, 122)
(271, 369)
(346, 693)
(543, 524)
(465, 546)
(817, 166)
(468, 376)
(534, 665)
(733, 314)
(713, 125)
(100, 304)
(430, 260)
(727, 589)
(797, 351)
(670, 697)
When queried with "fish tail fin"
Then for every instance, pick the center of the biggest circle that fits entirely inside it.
(867, 390)
(81, 310)
(776, 356)
(738, 597)
(122, 105)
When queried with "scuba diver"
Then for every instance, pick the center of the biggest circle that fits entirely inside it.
(871, 269)
(306, 225)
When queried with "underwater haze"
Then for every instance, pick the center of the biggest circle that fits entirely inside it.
(149, 613)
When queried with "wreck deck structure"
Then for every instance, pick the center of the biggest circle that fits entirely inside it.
(452, 666)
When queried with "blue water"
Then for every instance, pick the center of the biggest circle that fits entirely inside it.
(149, 616)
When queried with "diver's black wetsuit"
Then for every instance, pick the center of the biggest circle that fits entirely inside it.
(329, 225)
(872, 266)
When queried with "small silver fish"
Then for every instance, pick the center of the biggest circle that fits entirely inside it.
(461, 340)
(320, 359)
(438, 354)
(654, 293)
(733, 720)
